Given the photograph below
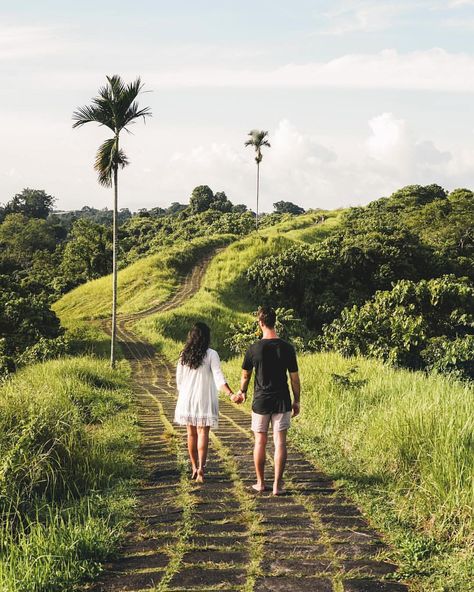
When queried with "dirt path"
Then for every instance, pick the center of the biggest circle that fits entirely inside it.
(221, 536)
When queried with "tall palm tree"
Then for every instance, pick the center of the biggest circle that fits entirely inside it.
(257, 140)
(115, 107)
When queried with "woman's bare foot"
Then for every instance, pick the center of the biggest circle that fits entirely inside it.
(278, 488)
(200, 476)
(194, 475)
(260, 487)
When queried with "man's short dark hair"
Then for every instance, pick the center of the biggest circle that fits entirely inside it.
(267, 316)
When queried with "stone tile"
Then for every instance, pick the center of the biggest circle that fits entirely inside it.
(293, 549)
(117, 582)
(298, 567)
(216, 528)
(289, 584)
(369, 567)
(141, 562)
(344, 522)
(286, 522)
(206, 555)
(353, 536)
(373, 586)
(192, 578)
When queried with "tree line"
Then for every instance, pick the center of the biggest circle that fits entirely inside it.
(45, 253)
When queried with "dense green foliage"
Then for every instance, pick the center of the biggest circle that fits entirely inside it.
(224, 299)
(416, 324)
(287, 207)
(68, 439)
(416, 234)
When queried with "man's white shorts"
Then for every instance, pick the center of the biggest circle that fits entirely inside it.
(279, 421)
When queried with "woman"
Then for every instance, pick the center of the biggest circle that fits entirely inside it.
(199, 377)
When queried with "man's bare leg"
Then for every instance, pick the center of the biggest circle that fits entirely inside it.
(279, 439)
(259, 453)
(203, 446)
(193, 448)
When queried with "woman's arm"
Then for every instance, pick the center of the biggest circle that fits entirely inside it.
(179, 374)
(219, 378)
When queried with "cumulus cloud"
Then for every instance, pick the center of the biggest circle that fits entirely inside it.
(299, 168)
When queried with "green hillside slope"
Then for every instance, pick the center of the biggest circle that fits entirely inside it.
(148, 281)
(223, 299)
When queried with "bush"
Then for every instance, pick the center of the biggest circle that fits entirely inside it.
(454, 356)
(416, 324)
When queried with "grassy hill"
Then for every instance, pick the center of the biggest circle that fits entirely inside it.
(222, 299)
(148, 281)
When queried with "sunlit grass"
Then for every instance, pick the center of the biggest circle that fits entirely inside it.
(68, 442)
(146, 282)
(223, 298)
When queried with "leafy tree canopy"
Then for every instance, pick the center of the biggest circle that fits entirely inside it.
(32, 203)
(287, 207)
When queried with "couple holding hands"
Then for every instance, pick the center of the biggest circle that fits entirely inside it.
(199, 377)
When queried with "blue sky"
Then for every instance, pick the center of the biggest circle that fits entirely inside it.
(359, 97)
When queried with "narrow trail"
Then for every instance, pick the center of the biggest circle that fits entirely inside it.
(221, 536)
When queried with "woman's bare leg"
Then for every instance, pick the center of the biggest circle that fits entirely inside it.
(193, 448)
(203, 446)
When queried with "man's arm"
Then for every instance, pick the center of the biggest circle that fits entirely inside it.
(244, 385)
(296, 388)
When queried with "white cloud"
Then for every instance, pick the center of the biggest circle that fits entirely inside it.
(19, 42)
(361, 17)
(298, 168)
(434, 69)
(455, 3)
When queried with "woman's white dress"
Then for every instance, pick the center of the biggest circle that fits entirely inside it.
(198, 404)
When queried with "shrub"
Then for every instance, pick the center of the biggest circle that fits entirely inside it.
(416, 324)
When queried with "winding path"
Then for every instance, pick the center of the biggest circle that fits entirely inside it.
(221, 536)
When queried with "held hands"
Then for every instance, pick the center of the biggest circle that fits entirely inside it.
(238, 397)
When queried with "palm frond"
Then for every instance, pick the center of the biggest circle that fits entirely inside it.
(89, 114)
(107, 159)
(257, 140)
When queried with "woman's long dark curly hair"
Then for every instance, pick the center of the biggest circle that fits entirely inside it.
(196, 345)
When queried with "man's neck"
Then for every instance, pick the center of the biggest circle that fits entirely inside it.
(269, 333)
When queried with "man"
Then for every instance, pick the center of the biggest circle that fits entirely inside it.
(272, 358)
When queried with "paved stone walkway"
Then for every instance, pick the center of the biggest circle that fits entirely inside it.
(221, 535)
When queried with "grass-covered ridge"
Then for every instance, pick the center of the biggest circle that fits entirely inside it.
(223, 298)
(148, 281)
(68, 439)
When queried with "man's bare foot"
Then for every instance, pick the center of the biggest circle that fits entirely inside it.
(278, 488)
(259, 487)
(200, 476)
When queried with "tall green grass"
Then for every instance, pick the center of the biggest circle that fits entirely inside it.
(68, 441)
(402, 429)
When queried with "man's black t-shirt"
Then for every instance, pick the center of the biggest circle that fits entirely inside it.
(271, 358)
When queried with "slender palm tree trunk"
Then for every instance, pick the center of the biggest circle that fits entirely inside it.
(114, 270)
(258, 189)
